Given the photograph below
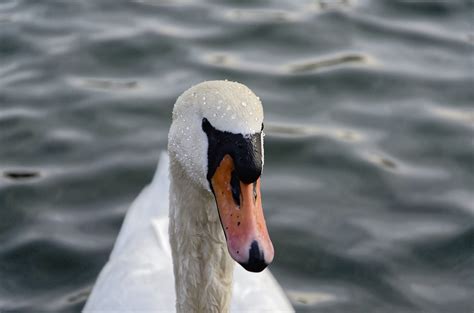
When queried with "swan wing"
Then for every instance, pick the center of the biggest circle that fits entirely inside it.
(139, 274)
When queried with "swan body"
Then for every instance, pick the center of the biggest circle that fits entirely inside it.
(172, 253)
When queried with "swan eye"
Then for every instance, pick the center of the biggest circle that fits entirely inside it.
(246, 150)
(235, 185)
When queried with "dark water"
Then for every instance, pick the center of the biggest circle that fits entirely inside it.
(369, 176)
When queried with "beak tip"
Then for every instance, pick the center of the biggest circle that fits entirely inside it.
(255, 267)
(256, 262)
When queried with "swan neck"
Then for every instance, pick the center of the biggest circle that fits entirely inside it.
(202, 266)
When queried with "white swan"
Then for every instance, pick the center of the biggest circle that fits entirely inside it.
(215, 157)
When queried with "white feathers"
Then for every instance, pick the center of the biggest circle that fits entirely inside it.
(206, 100)
(228, 106)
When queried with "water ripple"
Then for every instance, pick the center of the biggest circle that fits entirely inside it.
(238, 63)
(106, 84)
(294, 131)
(350, 58)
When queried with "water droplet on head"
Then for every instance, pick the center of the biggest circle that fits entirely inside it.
(244, 103)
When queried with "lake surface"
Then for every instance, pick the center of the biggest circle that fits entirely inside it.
(369, 172)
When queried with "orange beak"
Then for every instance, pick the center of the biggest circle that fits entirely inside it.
(241, 215)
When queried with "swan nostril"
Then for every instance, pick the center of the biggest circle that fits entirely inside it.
(254, 192)
(235, 186)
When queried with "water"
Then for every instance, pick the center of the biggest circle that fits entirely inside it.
(369, 150)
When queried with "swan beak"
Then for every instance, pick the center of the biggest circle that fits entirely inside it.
(241, 214)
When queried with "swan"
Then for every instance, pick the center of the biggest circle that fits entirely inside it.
(182, 235)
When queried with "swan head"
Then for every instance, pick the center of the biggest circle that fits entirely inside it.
(216, 136)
